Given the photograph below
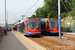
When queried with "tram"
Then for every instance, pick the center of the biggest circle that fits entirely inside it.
(18, 26)
(49, 26)
(32, 26)
(21, 25)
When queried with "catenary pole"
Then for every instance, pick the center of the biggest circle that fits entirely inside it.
(73, 15)
(59, 19)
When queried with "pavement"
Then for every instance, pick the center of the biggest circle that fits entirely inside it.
(1, 37)
(70, 33)
(17, 41)
(10, 42)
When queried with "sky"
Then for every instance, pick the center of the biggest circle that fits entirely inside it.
(16, 8)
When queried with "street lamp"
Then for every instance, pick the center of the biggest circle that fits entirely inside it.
(7, 19)
(22, 16)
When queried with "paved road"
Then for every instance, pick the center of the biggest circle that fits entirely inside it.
(10, 42)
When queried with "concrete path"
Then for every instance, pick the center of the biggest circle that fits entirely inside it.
(31, 45)
(70, 33)
(10, 42)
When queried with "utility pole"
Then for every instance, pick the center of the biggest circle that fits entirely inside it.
(73, 15)
(22, 16)
(59, 19)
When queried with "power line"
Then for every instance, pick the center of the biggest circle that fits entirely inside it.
(29, 13)
(32, 5)
(32, 11)
(65, 8)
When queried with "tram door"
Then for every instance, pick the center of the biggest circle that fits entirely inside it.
(42, 27)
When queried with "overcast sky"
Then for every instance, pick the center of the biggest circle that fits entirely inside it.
(16, 8)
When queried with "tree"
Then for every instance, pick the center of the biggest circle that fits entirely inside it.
(40, 13)
(50, 9)
(33, 16)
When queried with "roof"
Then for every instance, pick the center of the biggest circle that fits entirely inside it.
(21, 21)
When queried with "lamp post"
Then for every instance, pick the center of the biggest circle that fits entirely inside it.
(22, 16)
(7, 19)
(5, 16)
(59, 19)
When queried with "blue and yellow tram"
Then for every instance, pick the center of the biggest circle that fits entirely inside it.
(49, 26)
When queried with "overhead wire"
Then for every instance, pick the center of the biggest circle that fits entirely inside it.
(32, 11)
(66, 8)
(32, 6)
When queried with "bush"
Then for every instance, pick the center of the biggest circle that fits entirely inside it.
(64, 15)
(71, 29)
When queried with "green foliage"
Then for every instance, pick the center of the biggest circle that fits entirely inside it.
(65, 29)
(40, 13)
(50, 9)
(71, 12)
(33, 16)
(63, 15)
(16, 22)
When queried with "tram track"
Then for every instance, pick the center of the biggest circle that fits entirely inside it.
(51, 43)
(71, 38)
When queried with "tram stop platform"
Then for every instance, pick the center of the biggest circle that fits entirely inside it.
(17, 41)
(70, 33)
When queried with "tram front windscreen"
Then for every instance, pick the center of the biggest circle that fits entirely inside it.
(35, 23)
(53, 23)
